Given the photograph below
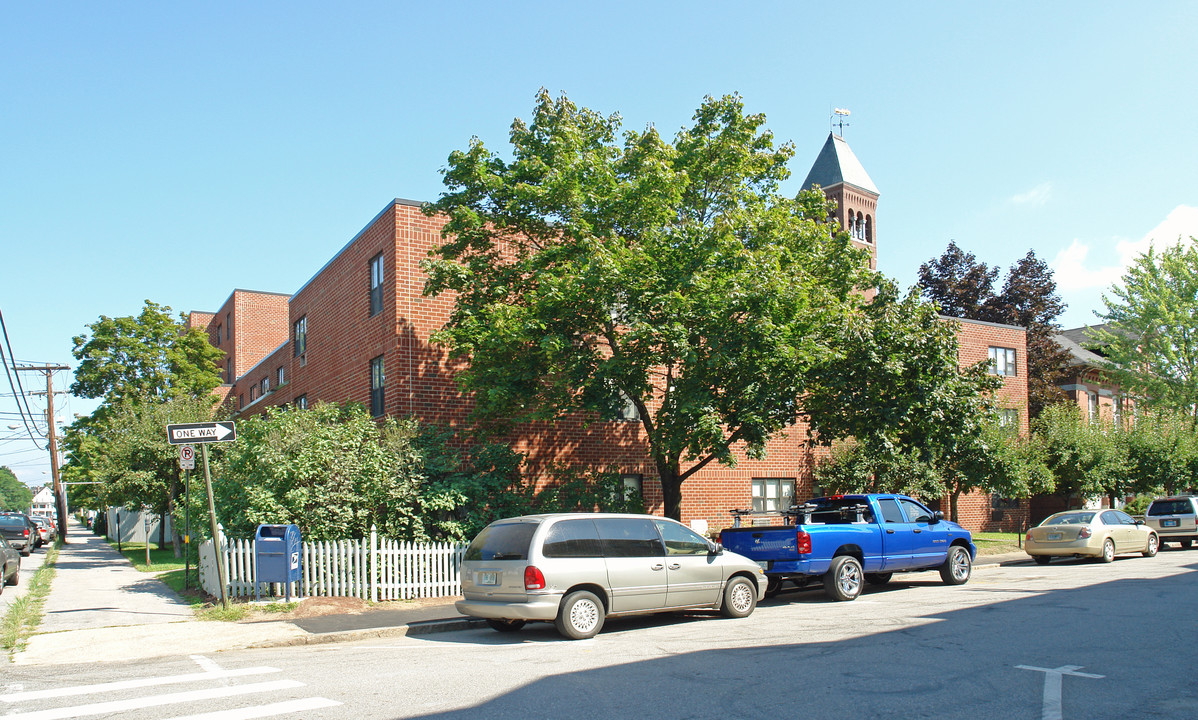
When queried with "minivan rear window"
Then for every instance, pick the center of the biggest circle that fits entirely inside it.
(572, 539)
(1171, 507)
(502, 541)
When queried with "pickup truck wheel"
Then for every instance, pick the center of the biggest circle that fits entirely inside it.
(957, 566)
(505, 625)
(878, 578)
(580, 615)
(843, 579)
(740, 598)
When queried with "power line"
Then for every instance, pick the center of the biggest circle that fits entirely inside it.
(26, 418)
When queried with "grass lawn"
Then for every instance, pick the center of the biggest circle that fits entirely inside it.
(997, 543)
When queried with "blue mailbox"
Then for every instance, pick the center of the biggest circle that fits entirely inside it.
(278, 553)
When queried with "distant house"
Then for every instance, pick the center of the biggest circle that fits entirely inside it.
(43, 503)
(1097, 398)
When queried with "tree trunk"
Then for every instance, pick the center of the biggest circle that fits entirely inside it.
(952, 505)
(671, 491)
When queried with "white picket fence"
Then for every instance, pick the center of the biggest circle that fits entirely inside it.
(370, 568)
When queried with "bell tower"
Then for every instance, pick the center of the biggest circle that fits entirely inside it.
(839, 173)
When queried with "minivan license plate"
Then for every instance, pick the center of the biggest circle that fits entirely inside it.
(488, 578)
(1168, 523)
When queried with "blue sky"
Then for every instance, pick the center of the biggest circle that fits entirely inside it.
(176, 151)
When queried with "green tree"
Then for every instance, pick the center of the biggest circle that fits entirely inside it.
(854, 467)
(959, 285)
(1162, 452)
(14, 494)
(671, 277)
(1151, 344)
(145, 358)
(1086, 459)
(125, 449)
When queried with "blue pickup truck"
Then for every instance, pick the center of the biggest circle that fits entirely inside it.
(846, 541)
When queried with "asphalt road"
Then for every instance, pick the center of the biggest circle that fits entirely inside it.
(1075, 640)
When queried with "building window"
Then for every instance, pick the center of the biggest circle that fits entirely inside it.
(376, 285)
(301, 402)
(1092, 398)
(228, 325)
(218, 329)
(1008, 417)
(376, 386)
(772, 494)
(241, 401)
(253, 393)
(229, 372)
(301, 336)
(634, 487)
(280, 376)
(264, 386)
(1002, 361)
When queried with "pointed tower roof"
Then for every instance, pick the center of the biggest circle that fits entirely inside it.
(837, 164)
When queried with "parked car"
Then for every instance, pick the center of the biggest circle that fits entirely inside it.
(19, 531)
(1175, 519)
(45, 529)
(10, 564)
(1100, 534)
(577, 569)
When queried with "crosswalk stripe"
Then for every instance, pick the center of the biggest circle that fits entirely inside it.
(116, 706)
(132, 684)
(261, 711)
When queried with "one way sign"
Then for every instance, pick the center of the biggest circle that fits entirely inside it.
(201, 433)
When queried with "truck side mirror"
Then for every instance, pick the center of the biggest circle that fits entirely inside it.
(936, 517)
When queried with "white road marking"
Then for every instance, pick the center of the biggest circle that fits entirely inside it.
(117, 706)
(205, 663)
(261, 711)
(1052, 686)
(130, 684)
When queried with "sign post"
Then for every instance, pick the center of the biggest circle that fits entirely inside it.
(187, 461)
(202, 434)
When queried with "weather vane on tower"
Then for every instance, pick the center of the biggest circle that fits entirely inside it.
(836, 119)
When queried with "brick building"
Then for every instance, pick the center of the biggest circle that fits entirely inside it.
(359, 330)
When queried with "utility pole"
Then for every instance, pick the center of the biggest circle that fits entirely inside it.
(60, 505)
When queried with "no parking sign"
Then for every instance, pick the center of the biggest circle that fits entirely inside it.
(187, 457)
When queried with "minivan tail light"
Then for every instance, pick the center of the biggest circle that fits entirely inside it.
(804, 542)
(534, 579)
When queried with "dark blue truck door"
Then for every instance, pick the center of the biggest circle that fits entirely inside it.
(898, 536)
(929, 544)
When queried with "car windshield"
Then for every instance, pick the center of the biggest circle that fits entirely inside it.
(502, 541)
(1069, 518)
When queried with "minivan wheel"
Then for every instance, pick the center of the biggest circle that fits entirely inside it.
(505, 625)
(740, 598)
(580, 615)
(1185, 544)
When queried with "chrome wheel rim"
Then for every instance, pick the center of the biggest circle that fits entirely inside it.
(742, 598)
(1108, 551)
(584, 616)
(960, 565)
(1153, 544)
(849, 579)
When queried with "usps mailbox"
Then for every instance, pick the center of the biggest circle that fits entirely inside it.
(278, 551)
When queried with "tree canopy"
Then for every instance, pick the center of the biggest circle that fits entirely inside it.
(1151, 341)
(14, 494)
(962, 287)
(147, 357)
(672, 276)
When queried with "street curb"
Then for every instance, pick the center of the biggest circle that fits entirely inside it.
(421, 628)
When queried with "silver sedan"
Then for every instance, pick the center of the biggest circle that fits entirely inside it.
(1090, 533)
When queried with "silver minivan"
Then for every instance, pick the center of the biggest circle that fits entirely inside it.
(576, 569)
